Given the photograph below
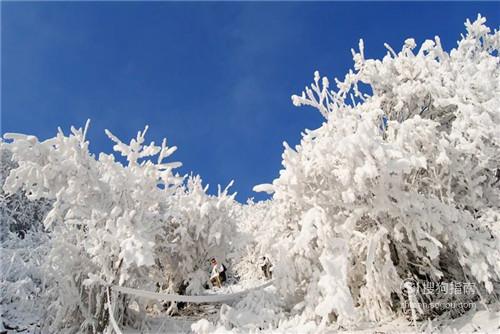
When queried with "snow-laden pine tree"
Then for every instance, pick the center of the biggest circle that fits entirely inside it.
(400, 185)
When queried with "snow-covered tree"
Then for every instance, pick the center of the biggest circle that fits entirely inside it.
(134, 225)
(400, 184)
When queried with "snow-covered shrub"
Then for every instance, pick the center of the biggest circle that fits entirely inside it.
(114, 224)
(102, 222)
(253, 220)
(23, 246)
(200, 227)
(401, 184)
(19, 214)
(22, 281)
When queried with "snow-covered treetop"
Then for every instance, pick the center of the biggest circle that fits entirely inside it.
(414, 82)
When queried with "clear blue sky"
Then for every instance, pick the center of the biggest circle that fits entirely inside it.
(214, 78)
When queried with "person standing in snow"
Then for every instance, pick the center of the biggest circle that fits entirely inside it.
(266, 266)
(218, 275)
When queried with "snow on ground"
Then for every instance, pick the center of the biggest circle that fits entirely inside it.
(166, 324)
(203, 318)
(482, 321)
(476, 322)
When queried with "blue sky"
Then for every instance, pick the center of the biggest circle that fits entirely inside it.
(215, 79)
